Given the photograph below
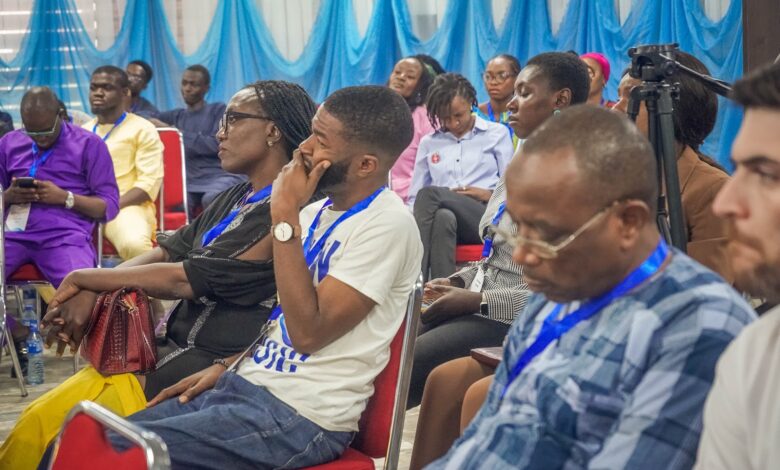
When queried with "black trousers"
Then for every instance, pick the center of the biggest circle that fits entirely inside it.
(447, 341)
(445, 219)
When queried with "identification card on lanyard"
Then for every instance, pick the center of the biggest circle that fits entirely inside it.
(553, 329)
(17, 217)
(479, 280)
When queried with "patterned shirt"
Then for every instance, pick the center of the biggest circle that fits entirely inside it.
(624, 389)
(503, 288)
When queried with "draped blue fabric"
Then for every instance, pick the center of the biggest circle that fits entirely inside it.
(238, 47)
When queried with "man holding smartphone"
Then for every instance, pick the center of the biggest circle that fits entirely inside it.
(58, 181)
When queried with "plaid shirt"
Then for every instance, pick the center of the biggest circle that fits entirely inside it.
(624, 389)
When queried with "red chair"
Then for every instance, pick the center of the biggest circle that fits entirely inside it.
(173, 193)
(382, 423)
(467, 253)
(83, 444)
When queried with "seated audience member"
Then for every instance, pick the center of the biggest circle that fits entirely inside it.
(410, 78)
(598, 69)
(610, 362)
(198, 123)
(499, 80)
(455, 171)
(139, 74)
(218, 265)
(695, 113)
(493, 290)
(6, 123)
(297, 399)
(478, 304)
(742, 416)
(136, 151)
(50, 224)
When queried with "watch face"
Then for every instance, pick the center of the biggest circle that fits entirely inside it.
(283, 231)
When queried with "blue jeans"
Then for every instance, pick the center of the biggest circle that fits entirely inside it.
(238, 425)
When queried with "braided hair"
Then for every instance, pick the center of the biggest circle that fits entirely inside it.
(289, 107)
(444, 89)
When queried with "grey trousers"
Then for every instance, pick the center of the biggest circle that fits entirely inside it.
(445, 219)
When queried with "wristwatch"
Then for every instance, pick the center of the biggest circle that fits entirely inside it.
(69, 200)
(483, 306)
(285, 232)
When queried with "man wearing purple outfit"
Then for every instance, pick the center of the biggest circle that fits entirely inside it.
(50, 224)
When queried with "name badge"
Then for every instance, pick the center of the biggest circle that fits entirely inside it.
(17, 217)
(479, 279)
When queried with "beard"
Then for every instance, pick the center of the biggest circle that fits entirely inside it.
(335, 175)
(762, 282)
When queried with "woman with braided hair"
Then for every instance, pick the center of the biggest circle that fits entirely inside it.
(455, 171)
(219, 268)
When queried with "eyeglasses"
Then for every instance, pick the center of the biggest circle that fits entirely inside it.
(541, 248)
(43, 133)
(498, 77)
(231, 117)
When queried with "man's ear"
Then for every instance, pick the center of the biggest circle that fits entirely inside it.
(368, 164)
(563, 98)
(634, 216)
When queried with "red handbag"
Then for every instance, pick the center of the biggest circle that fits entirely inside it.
(120, 334)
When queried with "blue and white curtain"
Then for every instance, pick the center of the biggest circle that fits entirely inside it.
(238, 47)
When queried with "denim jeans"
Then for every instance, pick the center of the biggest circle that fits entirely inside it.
(238, 425)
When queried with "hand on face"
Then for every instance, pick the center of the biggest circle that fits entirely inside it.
(295, 185)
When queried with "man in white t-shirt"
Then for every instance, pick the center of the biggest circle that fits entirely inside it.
(742, 413)
(297, 399)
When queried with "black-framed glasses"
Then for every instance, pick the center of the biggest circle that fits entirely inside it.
(43, 133)
(500, 77)
(231, 117)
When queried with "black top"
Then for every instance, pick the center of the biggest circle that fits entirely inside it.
(233, 297)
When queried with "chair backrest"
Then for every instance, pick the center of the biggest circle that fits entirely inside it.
(83, 443)
(174, 189)
(382, 422)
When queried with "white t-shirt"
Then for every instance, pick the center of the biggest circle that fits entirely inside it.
(378, 252)
(742, 412)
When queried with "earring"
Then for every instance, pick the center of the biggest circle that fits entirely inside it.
(556, 112)
(270, 143)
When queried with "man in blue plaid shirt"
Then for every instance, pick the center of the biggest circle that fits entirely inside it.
(610, 363)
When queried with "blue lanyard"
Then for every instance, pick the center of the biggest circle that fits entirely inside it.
(311, 252)
(553, 329)
(488, 247)
(492, 117)
(118, 122)
(37, 162)
(217, 230)
(311, 249)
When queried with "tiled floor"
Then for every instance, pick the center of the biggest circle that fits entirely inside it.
(59, 369)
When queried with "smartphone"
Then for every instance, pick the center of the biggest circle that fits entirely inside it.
(25, 182)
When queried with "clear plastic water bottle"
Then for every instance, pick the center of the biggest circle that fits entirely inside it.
(34, 355)
(29, 315)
